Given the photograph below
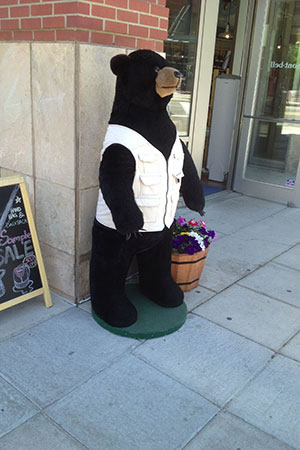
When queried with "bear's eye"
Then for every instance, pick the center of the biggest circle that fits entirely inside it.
(156, 69)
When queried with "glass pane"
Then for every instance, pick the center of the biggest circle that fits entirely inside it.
(276, 150)
(275, 142)
(180, 48)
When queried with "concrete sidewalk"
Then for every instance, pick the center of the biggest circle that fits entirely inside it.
(229, 379)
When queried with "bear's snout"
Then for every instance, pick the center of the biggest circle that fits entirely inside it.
(167, 81)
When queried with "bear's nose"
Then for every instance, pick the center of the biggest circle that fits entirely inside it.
(177, 74)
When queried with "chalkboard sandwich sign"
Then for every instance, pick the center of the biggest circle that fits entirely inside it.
(22, 272)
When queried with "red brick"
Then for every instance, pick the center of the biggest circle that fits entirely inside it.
(29, 1)
(162, 2)
(117, 3)
(101, 38)
(127, 16)
(138, 31)
(81, 35)
(163, 24)
(65, 8)
(123, 41)
(142, 43)
(65, 35)
(31, 24)
(48, 35)
(3, 13)
(116, 27)
(10, 24)
(138, 5)
(6, 36)
(84, 22)
(71, 7)
(149, 20)
(73, 21)
(23, 35)
(54, 22)
(83, 8)
(72, 35)
(103, 11)
(159, 46)
(41, 10)
(98, 1)
(159, 11)
(19, 11)
(9, 2)
(158, 34)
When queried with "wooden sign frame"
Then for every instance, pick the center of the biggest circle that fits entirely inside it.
(44, 290)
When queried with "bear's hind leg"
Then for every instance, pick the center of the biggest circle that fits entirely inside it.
(108, 270)
(156, 281)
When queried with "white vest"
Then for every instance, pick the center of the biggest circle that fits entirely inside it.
(156, 182)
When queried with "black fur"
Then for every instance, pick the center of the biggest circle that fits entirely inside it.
(139, 107)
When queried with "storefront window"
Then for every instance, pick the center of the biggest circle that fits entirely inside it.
(275, 143)
(180, 49)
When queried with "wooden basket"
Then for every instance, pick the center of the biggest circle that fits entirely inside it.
(187, 269)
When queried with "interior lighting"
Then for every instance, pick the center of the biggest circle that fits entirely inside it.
(227, 34)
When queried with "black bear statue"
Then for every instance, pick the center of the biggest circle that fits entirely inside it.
(144, 168)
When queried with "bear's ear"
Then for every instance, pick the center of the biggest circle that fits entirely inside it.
(119, 63)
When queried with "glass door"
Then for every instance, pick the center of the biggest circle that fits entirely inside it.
(269, 147)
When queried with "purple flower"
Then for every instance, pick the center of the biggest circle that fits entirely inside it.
(181, 221)
(184, 243)
(189, 250)
(203, 231)
(211, 233)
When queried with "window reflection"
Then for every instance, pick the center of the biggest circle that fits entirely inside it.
(180, 48)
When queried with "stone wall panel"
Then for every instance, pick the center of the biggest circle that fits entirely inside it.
(53, 85)
(15, 108)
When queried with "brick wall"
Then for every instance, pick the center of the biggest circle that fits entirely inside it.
(124, 23)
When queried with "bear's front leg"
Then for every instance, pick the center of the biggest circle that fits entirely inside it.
(156, 281)
(109, 265)
(116, 176)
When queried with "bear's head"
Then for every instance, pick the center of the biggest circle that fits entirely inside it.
(144, 79)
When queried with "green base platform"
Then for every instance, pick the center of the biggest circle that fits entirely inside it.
(153, 320)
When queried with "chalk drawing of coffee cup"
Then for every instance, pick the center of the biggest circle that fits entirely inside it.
(2, 287)
(21, 275)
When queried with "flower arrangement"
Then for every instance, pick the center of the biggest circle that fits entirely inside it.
(191, 237)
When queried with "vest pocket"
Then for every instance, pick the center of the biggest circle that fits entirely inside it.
(178, 175)
(150, 184)
(149, 208)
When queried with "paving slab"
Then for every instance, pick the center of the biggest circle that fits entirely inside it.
(227, 432)
(282, 228)
(277, 281)
(291, 258)
(21, 317)
(86, 306)
(39, 433)
(233, 257)
(253, 315)
(207, 358)
(14, 408)
(230, 213)
(272, 401)
(197, 296)
(132, 406)
(292, 348)
(55, 356)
